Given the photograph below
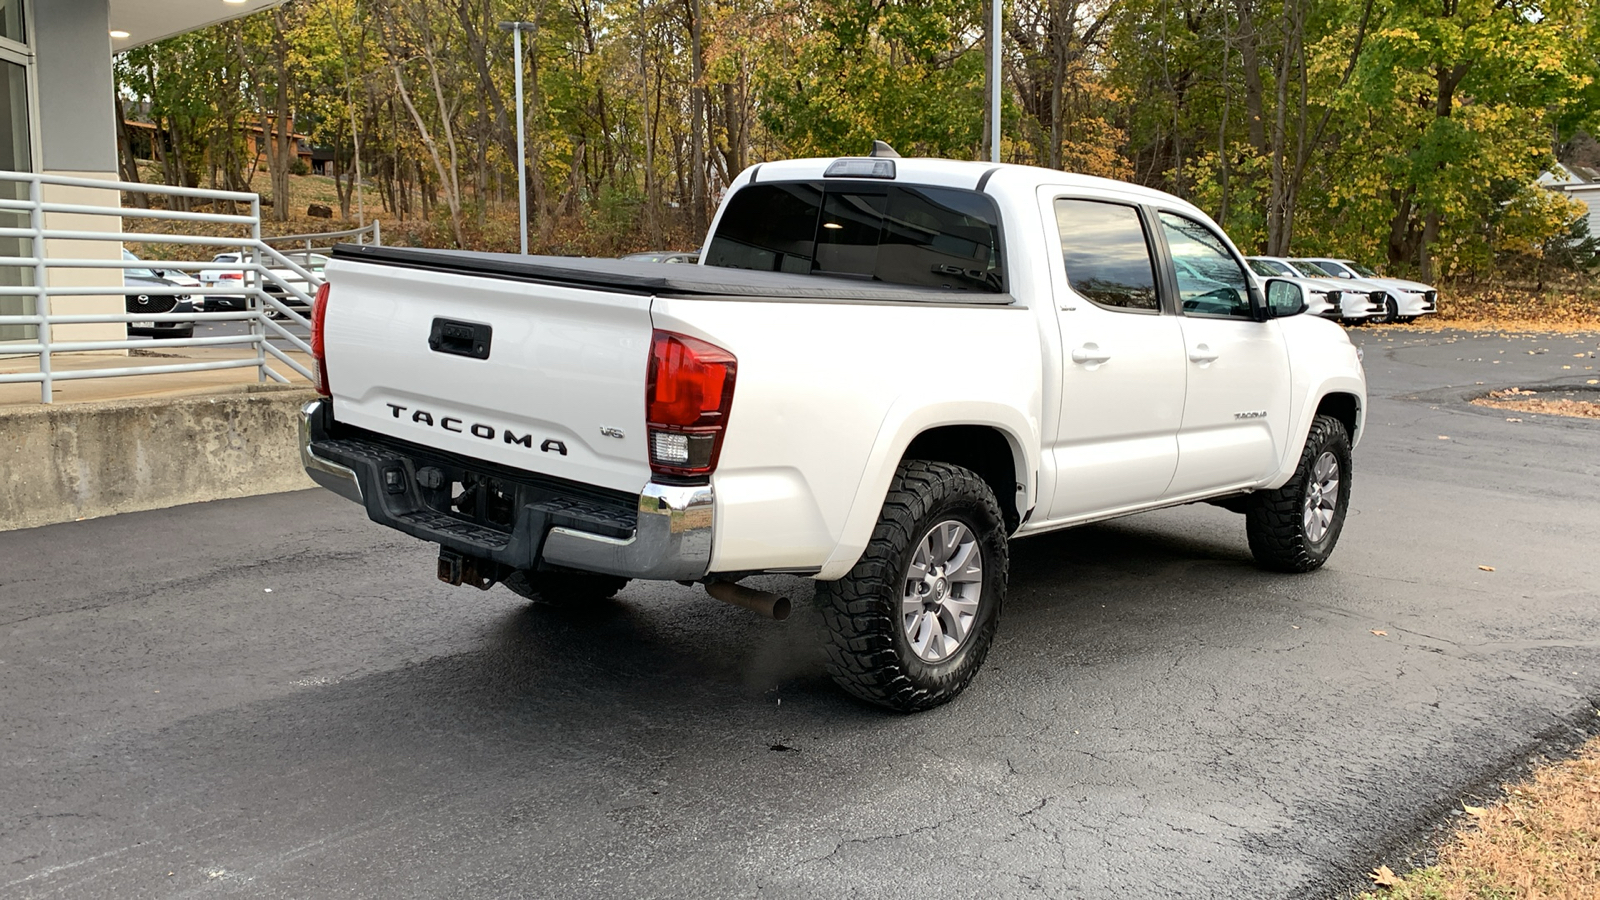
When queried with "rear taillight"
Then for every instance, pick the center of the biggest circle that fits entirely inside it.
(686, 403)
(231, 276)
(319, 314)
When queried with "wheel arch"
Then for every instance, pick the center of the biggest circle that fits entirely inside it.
(1344, 406)
(991, 440)
(986, 450)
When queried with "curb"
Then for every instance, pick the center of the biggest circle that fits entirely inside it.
(83, 460)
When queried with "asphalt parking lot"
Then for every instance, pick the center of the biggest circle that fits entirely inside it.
(273, 697)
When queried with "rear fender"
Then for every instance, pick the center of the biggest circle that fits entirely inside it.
(902, 425)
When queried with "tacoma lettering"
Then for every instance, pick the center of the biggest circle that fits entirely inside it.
(477, 429)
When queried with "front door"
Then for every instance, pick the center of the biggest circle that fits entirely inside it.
(1122, 371)
(1236, 408)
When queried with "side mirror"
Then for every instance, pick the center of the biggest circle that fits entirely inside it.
(1284, 299)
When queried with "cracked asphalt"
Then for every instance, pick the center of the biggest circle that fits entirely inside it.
(273, 697)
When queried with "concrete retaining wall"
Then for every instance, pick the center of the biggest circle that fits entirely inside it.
(82, 460)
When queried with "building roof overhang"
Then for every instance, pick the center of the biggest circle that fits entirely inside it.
(151, 20)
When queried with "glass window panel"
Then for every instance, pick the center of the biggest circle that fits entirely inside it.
(770, 227)
(1311, 269)
(1210, 280)
(11, 21)
(15, 156)
(941, 237)
(847, 237)
(1107, 257)
(923, 237)
(1269, 268)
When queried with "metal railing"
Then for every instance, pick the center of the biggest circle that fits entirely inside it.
(322, 242)
(272, 288)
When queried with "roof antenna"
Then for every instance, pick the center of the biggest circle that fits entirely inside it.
(880, 149)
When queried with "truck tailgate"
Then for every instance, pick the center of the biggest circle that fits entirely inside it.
(559, 388)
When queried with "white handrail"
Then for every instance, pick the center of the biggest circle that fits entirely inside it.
(273, 283)
(134, 187)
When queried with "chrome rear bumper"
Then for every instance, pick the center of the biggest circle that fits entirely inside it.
(669, 539)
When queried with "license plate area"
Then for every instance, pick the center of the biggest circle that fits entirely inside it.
(474, 497)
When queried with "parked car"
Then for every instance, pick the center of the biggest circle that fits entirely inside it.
(882, 372)
(178, 277)
(223, 277)
(1326, 297)
(311, 262)
(683, 257)
(1406, 299)
(144, 302)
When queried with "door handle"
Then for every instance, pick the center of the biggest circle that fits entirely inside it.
(1202, 353)
(1090, 353)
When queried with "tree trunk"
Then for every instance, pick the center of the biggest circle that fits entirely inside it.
(283, 141)
(128, 162)
(697, 122)
(1448, 80)
(433, 153)
(652, 217)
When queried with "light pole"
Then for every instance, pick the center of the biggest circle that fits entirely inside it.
(995, 38)
(516, 29)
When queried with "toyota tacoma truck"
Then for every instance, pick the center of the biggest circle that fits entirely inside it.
(882, 371)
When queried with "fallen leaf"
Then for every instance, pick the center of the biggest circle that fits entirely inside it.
(1473, 811)
(1444, 437)
(1380, 633)
(1384, 877)
(1487, 568)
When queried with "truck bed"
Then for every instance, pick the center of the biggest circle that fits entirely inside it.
(655, 279)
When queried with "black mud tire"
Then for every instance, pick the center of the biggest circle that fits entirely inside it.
(1275, 522)
(1391, 311)
(868, 653)
(564, 588)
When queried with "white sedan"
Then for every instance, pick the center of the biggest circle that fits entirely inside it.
(1407, 299)
(224, 277)
(1326, 297)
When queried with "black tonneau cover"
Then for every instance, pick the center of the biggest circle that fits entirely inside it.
(658, 279)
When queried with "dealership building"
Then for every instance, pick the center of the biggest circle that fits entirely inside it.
(57, 117)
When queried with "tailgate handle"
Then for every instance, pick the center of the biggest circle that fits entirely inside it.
(469, 339)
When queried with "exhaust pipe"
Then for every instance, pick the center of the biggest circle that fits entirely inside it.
(764, 602)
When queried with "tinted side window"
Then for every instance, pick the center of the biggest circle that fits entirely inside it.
(770, 227)
(923, 236)
(1106, 255)
(1210, 280)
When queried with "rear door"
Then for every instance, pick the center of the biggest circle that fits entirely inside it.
(541, 378)
(1122, 372)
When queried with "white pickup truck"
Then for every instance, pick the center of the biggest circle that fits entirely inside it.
(882, 371)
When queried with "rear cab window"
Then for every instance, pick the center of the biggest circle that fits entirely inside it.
(919, 236)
